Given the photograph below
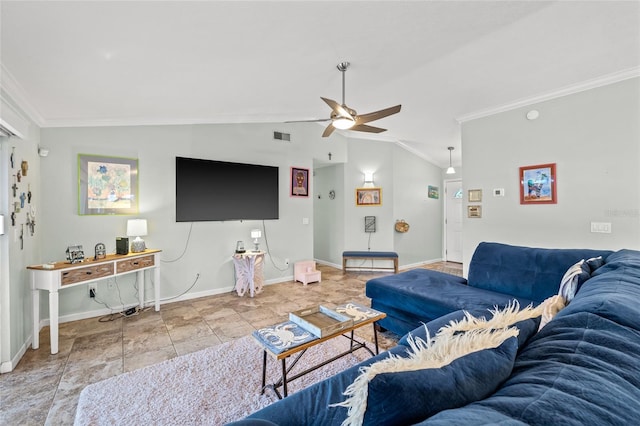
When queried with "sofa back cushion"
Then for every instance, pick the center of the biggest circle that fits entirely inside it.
(526, 272)
(613, 291)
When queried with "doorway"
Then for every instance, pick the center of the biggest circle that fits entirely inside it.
(453, 220)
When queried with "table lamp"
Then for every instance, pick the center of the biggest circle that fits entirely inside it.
(255, 234)
(137, 228)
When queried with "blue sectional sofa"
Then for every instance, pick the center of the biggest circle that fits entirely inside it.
(582, 368)
(498, 274)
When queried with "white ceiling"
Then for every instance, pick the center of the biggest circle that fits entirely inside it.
(152, 62)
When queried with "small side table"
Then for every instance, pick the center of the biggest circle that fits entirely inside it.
(248, 268)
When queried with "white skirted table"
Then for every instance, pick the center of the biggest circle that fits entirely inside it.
(248, 267)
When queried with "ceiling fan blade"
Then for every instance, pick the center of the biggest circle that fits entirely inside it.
(317, 120)
(327, 132)
(339, 109)
(377, 115)
(367, 128)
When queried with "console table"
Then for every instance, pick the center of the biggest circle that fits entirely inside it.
(248, 268)
(61, 275)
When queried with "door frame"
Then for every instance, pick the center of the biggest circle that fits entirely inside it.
(445, 217)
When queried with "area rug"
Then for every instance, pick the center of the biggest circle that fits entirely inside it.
(213, 386)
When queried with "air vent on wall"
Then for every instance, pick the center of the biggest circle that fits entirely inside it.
(282, 136)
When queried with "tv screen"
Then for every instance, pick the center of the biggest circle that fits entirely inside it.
(208, 190)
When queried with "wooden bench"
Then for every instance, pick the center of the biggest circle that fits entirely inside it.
(374, 255)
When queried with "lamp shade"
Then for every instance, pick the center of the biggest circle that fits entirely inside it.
(136, 227)
(343, 123)
(256, 233)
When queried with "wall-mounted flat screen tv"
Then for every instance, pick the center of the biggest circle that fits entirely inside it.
(209, 190)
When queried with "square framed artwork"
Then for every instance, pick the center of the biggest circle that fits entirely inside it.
(368, 196)
(433, 192)
(538, 184)
(107, 185)
(475, 195)
(299, 182)
(474, 211)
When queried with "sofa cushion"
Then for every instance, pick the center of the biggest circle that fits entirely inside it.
(581, 369)
(425, 295)
(524, 272)
(428, 391)
(527, 327)
(612, 291)
(465, 360)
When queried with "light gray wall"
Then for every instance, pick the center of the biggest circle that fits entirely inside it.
(404, 179)
(328, 214)
(15, 294)
(203, 248)
(412, 177)
(594, 139)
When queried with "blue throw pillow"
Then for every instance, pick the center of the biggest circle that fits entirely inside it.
(411, 396)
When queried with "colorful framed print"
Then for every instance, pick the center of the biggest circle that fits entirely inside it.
(299, 180)
(107, 185)
(538, 184)
(433, 192)
(368, 196)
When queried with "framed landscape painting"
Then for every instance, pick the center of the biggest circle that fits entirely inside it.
(107, 185)
(538, 184)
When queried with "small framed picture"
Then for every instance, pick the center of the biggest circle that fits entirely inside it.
(474, 211)
(475, 195)
(299, 182)
(368, 196)
(433, 192)
(538, 184)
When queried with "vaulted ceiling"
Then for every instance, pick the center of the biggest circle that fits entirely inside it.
(154, 62)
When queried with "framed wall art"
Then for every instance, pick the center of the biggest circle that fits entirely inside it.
(299, 182)
(538, 184)
(368, 196)
(432, 192)
(107, 185)
(474, 211)
(475, 195)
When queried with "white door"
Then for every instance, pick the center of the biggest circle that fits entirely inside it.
(453, 221)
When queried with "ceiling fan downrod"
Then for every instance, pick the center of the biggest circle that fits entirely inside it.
(342, 67)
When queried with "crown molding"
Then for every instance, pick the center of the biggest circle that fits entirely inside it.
(564, 91)
(16, 92)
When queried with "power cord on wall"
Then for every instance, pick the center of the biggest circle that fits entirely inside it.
(266, 242)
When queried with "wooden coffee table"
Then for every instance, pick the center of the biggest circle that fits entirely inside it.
(298, 344)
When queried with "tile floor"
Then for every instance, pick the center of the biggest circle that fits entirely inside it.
(44, 388)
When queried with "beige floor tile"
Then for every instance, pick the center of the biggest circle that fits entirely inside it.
(44, 388)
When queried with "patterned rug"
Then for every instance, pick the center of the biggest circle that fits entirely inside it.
(211, 387)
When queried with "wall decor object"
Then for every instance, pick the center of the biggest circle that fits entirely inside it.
(433, 192)
(299, 182)
(538, 184)
(368, 196)
(369, 224)
(401, 226)
(475, 195)
(474, 211)
(107, 185)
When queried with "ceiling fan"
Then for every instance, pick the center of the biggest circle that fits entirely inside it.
(344, 118)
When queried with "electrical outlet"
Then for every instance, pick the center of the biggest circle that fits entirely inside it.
(92, 290)
(286, 262)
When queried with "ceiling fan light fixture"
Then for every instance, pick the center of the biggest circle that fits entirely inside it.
(450, 170)
(343, 123)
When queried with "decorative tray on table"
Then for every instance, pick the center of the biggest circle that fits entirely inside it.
(320, 320)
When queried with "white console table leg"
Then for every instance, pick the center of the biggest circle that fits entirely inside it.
(35, 304)
(141, 288)
(156, 284)
(53, 320)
